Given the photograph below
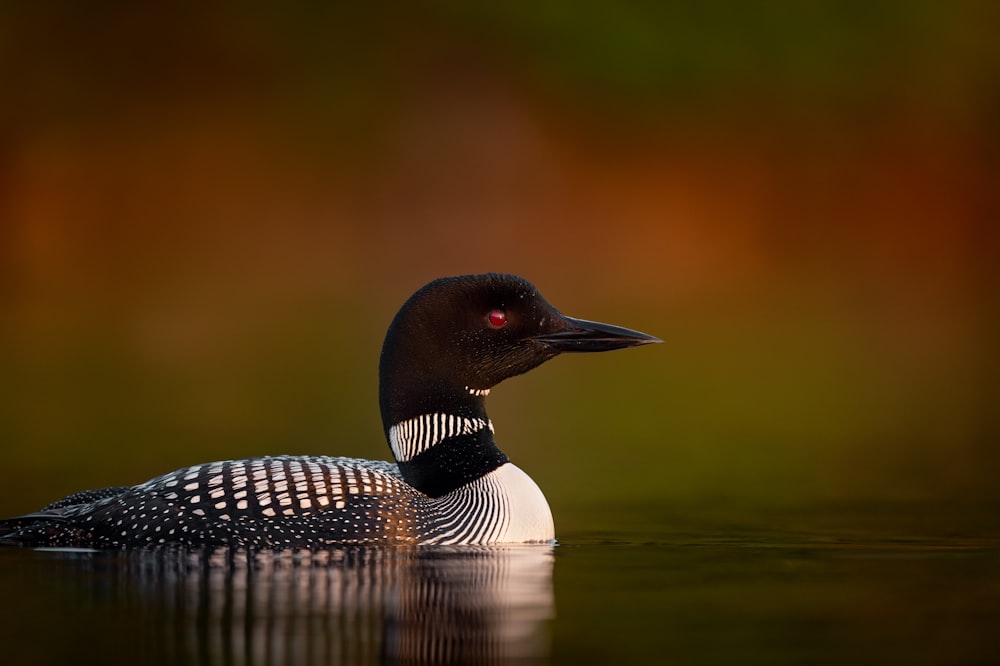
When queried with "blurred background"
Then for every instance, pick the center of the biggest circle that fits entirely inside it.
(209, 215)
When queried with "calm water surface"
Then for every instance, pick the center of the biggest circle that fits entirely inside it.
(881, 586)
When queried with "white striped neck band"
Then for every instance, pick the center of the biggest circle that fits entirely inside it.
(412, 437)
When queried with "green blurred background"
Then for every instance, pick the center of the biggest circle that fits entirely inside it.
(208, 216)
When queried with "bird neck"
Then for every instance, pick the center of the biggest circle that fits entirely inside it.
(453, 459)
(440, 435)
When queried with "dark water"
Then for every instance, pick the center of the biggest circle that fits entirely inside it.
(707, 594)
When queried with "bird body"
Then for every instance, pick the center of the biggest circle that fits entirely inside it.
(450, 343)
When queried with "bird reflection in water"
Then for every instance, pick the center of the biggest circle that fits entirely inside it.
(433, 605)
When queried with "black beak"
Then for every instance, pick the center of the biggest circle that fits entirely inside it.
(581, 335)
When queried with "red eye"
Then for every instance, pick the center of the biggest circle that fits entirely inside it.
(497, 318)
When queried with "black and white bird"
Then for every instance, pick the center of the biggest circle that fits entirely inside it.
(448, 346)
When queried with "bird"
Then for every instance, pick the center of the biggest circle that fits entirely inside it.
(447, 347)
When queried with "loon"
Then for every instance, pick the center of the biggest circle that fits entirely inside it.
(447, 347)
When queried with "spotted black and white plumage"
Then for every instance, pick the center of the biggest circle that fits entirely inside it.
(450, 343)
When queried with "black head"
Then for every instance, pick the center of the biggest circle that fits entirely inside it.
(458, 337)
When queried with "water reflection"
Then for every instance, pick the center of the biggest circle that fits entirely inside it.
(357, 605)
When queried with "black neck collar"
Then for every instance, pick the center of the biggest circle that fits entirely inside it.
(453, 462)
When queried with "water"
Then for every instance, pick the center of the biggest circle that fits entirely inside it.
(894, 586)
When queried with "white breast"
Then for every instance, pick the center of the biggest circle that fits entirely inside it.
(529, 516)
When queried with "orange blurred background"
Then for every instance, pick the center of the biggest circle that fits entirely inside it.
(209, 215)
